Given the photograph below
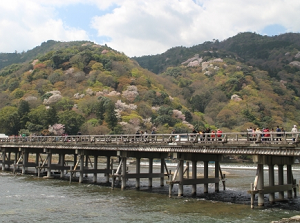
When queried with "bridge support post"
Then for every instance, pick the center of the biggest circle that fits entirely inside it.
(62, 163)
(25, 161)
(49, 163)
(108, 168)
(95, 168)
(260, 184)
(162, 163)
(37, 156)
(81, 168)
(180, 174)
(17, 155)
(138, 171)
(150, 171)
(205, 176)
(194, 176)
(289, 177)
(280, 181)
(3, 160)
(271, 183)
(217, 169)
(86, 164)
(8, 158)
(124, 169)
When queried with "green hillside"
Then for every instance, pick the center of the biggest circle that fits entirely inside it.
(247, 80)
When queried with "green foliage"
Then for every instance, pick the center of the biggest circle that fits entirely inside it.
(181, 128)
(110, 116)
(93, 122)
(165, 119)
(10, 69)
(71, 120)
(64, 104)
(10, 120)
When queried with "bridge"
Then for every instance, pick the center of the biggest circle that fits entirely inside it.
(49, 153)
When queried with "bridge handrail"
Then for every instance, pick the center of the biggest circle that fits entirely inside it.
(162, 138)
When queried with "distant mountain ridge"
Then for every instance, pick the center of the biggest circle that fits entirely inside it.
(7, 59)
(250, 48)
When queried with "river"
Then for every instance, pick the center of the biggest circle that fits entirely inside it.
(27, 198)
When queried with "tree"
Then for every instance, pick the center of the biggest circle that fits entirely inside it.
(51, 116)
(10, 120)
(72, 121)
(110, 116)
(37, 116)
(23, 110)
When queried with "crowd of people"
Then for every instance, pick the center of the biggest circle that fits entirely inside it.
(265, 133)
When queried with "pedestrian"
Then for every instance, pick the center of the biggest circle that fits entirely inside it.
(137, 135)
(212, 136)
(258, 134)
(219, 134)
(267, 134)
(278, 136)
(145, 134)
(294, 136)
(250, 131)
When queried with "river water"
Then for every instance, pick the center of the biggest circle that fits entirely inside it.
(27, 198)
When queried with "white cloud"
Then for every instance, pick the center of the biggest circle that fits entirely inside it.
(26, 24)
(151, 27)
(143, 27)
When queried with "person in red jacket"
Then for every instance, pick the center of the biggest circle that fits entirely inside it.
(212, 136)
(266, 134)
(219, 134)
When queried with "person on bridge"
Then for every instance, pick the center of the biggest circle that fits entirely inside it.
(219, 134)
(266, 134)
(250, 131)
(294, 129)
(258, 134)
(278, 135)
(212, 136)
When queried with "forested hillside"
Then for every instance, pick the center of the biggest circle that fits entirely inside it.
(86, 88)
(247, 80)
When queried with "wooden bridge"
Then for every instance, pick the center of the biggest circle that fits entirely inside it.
(273, 149)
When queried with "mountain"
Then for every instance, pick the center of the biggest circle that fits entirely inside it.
(246, 80)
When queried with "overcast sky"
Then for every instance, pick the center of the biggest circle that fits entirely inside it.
(141, 27)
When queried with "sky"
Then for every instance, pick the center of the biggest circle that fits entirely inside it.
(141, 27)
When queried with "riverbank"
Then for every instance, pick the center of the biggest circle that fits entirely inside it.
(288, 220)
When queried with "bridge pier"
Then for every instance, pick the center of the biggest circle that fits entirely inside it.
(62, 163)
(49, 160)
(217, 170)
(179, 173)
(81, 158)
(124, 168)
(95, 168)
(123, 173)
(162, 166)
(259, 187)
(138, 171)
(271, 183)
(150, 172)
(260, 184)
(3, 159)
(180, 178)
(194, 177)
(280, 180)
(205, 176)
(25, 161)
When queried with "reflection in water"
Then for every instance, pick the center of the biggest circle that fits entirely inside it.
(31, 199)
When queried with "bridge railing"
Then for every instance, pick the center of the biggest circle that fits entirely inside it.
(226, 137)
